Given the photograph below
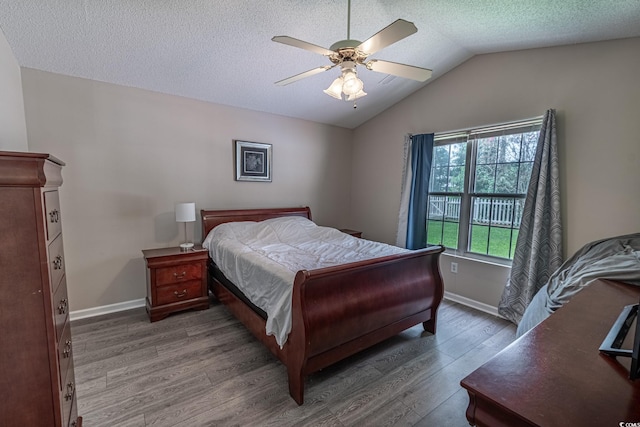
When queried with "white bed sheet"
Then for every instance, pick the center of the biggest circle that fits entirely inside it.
(262, 259)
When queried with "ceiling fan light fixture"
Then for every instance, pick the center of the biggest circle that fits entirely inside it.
(352, 84)
(357, 95)
(335, 90)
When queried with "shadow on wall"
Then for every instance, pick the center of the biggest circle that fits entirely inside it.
(129, 284)
(168, 231)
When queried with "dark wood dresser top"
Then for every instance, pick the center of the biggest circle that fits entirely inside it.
(554, 375)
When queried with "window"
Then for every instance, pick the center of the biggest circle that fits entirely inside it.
(477, 188)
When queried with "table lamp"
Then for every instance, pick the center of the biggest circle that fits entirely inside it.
(186, 212)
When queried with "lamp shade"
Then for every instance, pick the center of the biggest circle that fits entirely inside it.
(185, 212)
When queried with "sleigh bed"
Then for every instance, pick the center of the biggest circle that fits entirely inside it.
(335, 311)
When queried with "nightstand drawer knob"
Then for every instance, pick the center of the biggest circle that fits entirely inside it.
(180, 275)
(180, 294)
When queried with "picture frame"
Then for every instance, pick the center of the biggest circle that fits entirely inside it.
(252, 161)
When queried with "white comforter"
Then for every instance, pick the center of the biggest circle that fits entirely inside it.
(262, 259)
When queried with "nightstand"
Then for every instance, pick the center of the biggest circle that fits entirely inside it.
(176, 281)
(354, 233)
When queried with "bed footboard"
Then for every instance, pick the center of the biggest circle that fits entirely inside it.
(339, 311)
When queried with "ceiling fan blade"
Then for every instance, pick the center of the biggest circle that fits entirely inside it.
(387, 36)
(300, 76)
(302, 45)
(400, 70)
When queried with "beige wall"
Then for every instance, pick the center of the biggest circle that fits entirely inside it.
(132, 154)
(13, 130)
(594, 89)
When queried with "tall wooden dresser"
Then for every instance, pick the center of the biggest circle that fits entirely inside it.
(37, 385)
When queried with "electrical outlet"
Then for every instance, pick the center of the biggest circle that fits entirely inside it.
(454, 267)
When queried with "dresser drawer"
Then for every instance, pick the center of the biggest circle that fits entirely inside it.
(67, 395)
(61, 308)
(65, 355)
(52, 210)
(178, 292)
(56, 262)
(73, 416)
(178, 273)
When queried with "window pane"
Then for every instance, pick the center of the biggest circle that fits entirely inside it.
(517, 214)
(507, 177)
(487, 151)
(436, 207)
(529, 144)
(450, 234)
(485, 179)
(509, 148)
(439, 179)
(492, 221)
(479, 239)
(458, 154)
(514, 239)
(443, 221)
(434, 232)
(456, 179)
(499, 242)
(448, 168)
(525, 177)
(440, 156)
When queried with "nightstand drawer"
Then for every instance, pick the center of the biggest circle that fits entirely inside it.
(178, 273)
(176, 281)
(178, 292)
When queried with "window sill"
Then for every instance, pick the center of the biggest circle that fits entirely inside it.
(478, 258)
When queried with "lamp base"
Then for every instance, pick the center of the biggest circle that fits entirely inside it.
(186, 246)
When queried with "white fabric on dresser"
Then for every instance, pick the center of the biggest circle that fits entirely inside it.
(262, 259)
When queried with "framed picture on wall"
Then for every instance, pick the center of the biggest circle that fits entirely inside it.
(253, 161)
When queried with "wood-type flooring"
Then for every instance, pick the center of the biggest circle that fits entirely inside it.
(203, 368)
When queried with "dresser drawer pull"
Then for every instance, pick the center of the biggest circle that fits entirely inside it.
(54, 216)
(62, 306)
(180, 275)
(69, 394)
(180, 294)
(57, 263)
(67, 349)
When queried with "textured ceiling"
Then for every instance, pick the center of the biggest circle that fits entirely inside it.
(221, 51)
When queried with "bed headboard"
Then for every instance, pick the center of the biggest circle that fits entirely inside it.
(211, 218)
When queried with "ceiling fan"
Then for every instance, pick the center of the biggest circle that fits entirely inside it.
(350, 53)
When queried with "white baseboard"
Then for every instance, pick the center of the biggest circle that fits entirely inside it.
(472, 303)
(106, 309)
(128, 305)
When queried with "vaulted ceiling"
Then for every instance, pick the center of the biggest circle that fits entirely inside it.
(221, 51)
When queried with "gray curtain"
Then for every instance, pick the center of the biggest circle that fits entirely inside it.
(539, 247)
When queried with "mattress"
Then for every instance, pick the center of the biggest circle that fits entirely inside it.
(262, 259)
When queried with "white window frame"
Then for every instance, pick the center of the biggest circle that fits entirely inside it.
(471, 136)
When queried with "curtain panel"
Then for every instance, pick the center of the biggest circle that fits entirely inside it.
(412, 221)
(538, 252)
